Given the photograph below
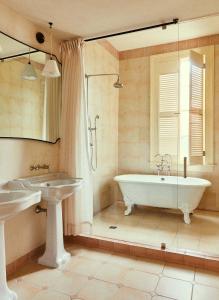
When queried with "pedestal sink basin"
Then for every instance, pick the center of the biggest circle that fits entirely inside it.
(11, 203)
(54, 187)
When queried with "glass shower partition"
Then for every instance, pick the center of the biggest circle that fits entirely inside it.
(164, 135)
(147, 138)
(197, 191)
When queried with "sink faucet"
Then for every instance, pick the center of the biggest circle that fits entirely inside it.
(163, 163)
(38, 167)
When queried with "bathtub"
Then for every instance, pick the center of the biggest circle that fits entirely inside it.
(162, 191)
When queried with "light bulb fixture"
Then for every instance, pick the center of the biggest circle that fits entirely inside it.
(51, 68)
(29, 72)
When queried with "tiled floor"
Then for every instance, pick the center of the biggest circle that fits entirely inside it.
(153, 226)
(96, 275)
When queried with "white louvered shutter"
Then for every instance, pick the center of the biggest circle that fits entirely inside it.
(168, 109)
(196, 108)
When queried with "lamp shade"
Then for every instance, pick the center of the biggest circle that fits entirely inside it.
(51, 69)
(29, 73)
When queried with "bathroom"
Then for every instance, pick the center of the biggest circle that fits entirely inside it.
(103, 128)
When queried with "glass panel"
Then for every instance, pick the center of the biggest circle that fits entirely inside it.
(154, 126)
(137, 135)
(197, 192)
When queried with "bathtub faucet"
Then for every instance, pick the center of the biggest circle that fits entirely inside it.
(163, 163)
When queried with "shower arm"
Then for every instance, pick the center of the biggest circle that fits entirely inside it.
(87, 76)
(101, 74)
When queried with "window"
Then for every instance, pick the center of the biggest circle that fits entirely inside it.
(179, 102)
(168, 108)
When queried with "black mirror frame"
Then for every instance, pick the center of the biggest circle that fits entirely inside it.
(34, 51)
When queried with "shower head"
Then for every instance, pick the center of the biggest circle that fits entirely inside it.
(118, 84)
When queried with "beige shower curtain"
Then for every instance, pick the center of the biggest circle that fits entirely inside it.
(74, 158)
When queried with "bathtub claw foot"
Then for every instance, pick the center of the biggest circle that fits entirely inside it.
(187, 219)
(128, 210)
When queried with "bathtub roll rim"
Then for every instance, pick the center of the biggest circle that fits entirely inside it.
(179, 180)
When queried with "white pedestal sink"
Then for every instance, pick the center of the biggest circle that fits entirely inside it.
(11, 203)
(54, 187)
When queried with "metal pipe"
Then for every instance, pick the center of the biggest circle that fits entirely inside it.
(18, 55)
(163, 25)
(93, 138)
(1, 32)
(185, 167)
(101, 74)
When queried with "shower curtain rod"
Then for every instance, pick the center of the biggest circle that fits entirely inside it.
(175, 21)
(17, 55)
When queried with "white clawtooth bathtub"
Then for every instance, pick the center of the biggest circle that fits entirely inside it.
(162, 191)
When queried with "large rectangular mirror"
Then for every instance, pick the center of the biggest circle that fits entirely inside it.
(29, 109)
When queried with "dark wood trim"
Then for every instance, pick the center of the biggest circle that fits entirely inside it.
(36, 50)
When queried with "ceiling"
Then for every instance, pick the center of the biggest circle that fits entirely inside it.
(88, 18)
(184, 31)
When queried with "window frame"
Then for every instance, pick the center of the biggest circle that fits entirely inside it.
(174, 57)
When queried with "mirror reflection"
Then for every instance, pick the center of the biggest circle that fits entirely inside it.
(30, 104)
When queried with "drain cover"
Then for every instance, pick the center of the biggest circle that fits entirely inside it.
(112, 227)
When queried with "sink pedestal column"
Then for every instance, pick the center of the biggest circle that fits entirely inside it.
(5, 293)
(55, 254)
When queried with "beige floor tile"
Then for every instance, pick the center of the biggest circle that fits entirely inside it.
(189, 232)
(170, 226)
(150, 266)
(24, 290)
(43, 278)
(123, 260)
(185, 243)
(153, 220)
(69, 283)
(116, 277)
(141, 235)
(101, 230)
(111, 273)
(125, 293)
(207, 278)
(70, 263)
(151, 226)
(83, 266)
(174, 288)
(209, 246)
(98, 290)
(130, 234)
(129, 221)
(140, 280)
(179, 272)
(163, 237)
(201, 292)
(50, 295)
(147, 226)
(96, 254)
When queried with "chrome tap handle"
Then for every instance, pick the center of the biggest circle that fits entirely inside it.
(38, 167)
(158, 163)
